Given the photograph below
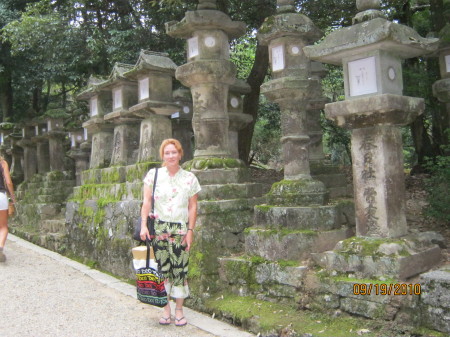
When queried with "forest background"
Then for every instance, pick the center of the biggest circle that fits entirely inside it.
(50, 48)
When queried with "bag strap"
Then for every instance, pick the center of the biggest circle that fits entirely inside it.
(147, 260)
(153, 193)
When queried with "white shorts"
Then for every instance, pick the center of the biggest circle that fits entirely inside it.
(3, 201)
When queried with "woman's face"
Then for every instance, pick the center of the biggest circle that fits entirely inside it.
(171, 156)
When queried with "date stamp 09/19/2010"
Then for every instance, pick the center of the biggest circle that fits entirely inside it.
(387, 289)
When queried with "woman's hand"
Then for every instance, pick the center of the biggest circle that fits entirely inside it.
(188, 239)
(144, 232)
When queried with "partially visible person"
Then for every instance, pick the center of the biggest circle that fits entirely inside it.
(175, 213)
(6, 189)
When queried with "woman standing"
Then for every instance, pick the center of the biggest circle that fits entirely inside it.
(175, 213)
(6, 188)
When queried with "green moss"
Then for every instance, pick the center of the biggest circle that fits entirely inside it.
(267, 25)
(264, 208)
(272, 317)
(282, 232)
(213, 163)
(363, 246)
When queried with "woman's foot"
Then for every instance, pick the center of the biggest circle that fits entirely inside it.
(164, 320)
(180, 320)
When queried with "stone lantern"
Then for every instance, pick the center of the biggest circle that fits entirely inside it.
(56, 142)
(371, 52)
(126, 127)
(182, 122)
(292, 87)
(17, 154)
(29, 150)
(238, 119)
(154, 73)
(79, 153)
(100, 102)
(209, 73)
(441, 88)
(42, 146)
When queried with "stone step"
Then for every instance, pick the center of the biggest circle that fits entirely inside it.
(30, 186)
(40, 210)
(283, 244)
(124, 191)
(253, 276)
(388, 257)
(300, 218)
(117, 174)
(53, 226)
(233, 191)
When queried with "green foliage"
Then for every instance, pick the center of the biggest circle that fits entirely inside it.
(438, 185)
(243, 55)
(266, 146)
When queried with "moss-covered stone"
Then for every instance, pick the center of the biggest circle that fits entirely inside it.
(303, 192)
(213, 163)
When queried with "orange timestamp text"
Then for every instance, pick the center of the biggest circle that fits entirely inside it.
(387, 289)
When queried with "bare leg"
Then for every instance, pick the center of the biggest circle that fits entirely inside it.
(3, 232)
(165, 319)
(180, 320)
(3, 227)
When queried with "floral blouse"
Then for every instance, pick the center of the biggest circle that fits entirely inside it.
(172, 193)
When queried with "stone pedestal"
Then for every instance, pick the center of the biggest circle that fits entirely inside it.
(238, 119)
(43, 154)
(17, 155)
(81, 158)
(378, 178)
(102, 141)
(182, 122)
(29, 158)
(154, 129)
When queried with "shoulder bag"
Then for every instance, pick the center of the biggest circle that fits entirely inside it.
(150, 283)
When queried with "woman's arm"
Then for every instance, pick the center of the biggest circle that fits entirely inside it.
(145, 210)
(192, 215)
(8, 180)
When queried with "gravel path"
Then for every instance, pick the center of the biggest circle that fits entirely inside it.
(45, 294)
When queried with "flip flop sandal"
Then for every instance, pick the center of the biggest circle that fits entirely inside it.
(180, 319)
(165, 322)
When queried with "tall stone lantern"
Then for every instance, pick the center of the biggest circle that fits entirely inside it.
(441, 88)
(371, 52)
(154, 74)
(42, 146)
(126, 127)
(29, 150)
(100, 103)
(292, 87)
(209, 73)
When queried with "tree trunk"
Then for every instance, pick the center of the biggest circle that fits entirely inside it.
(6, 96)
(251, 100)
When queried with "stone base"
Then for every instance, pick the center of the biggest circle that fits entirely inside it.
(399, 258)
(215, 170)
(302, 192)
(247, 276)
(221, 176)
(294, 245)
(435, 298)
(306, 218)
